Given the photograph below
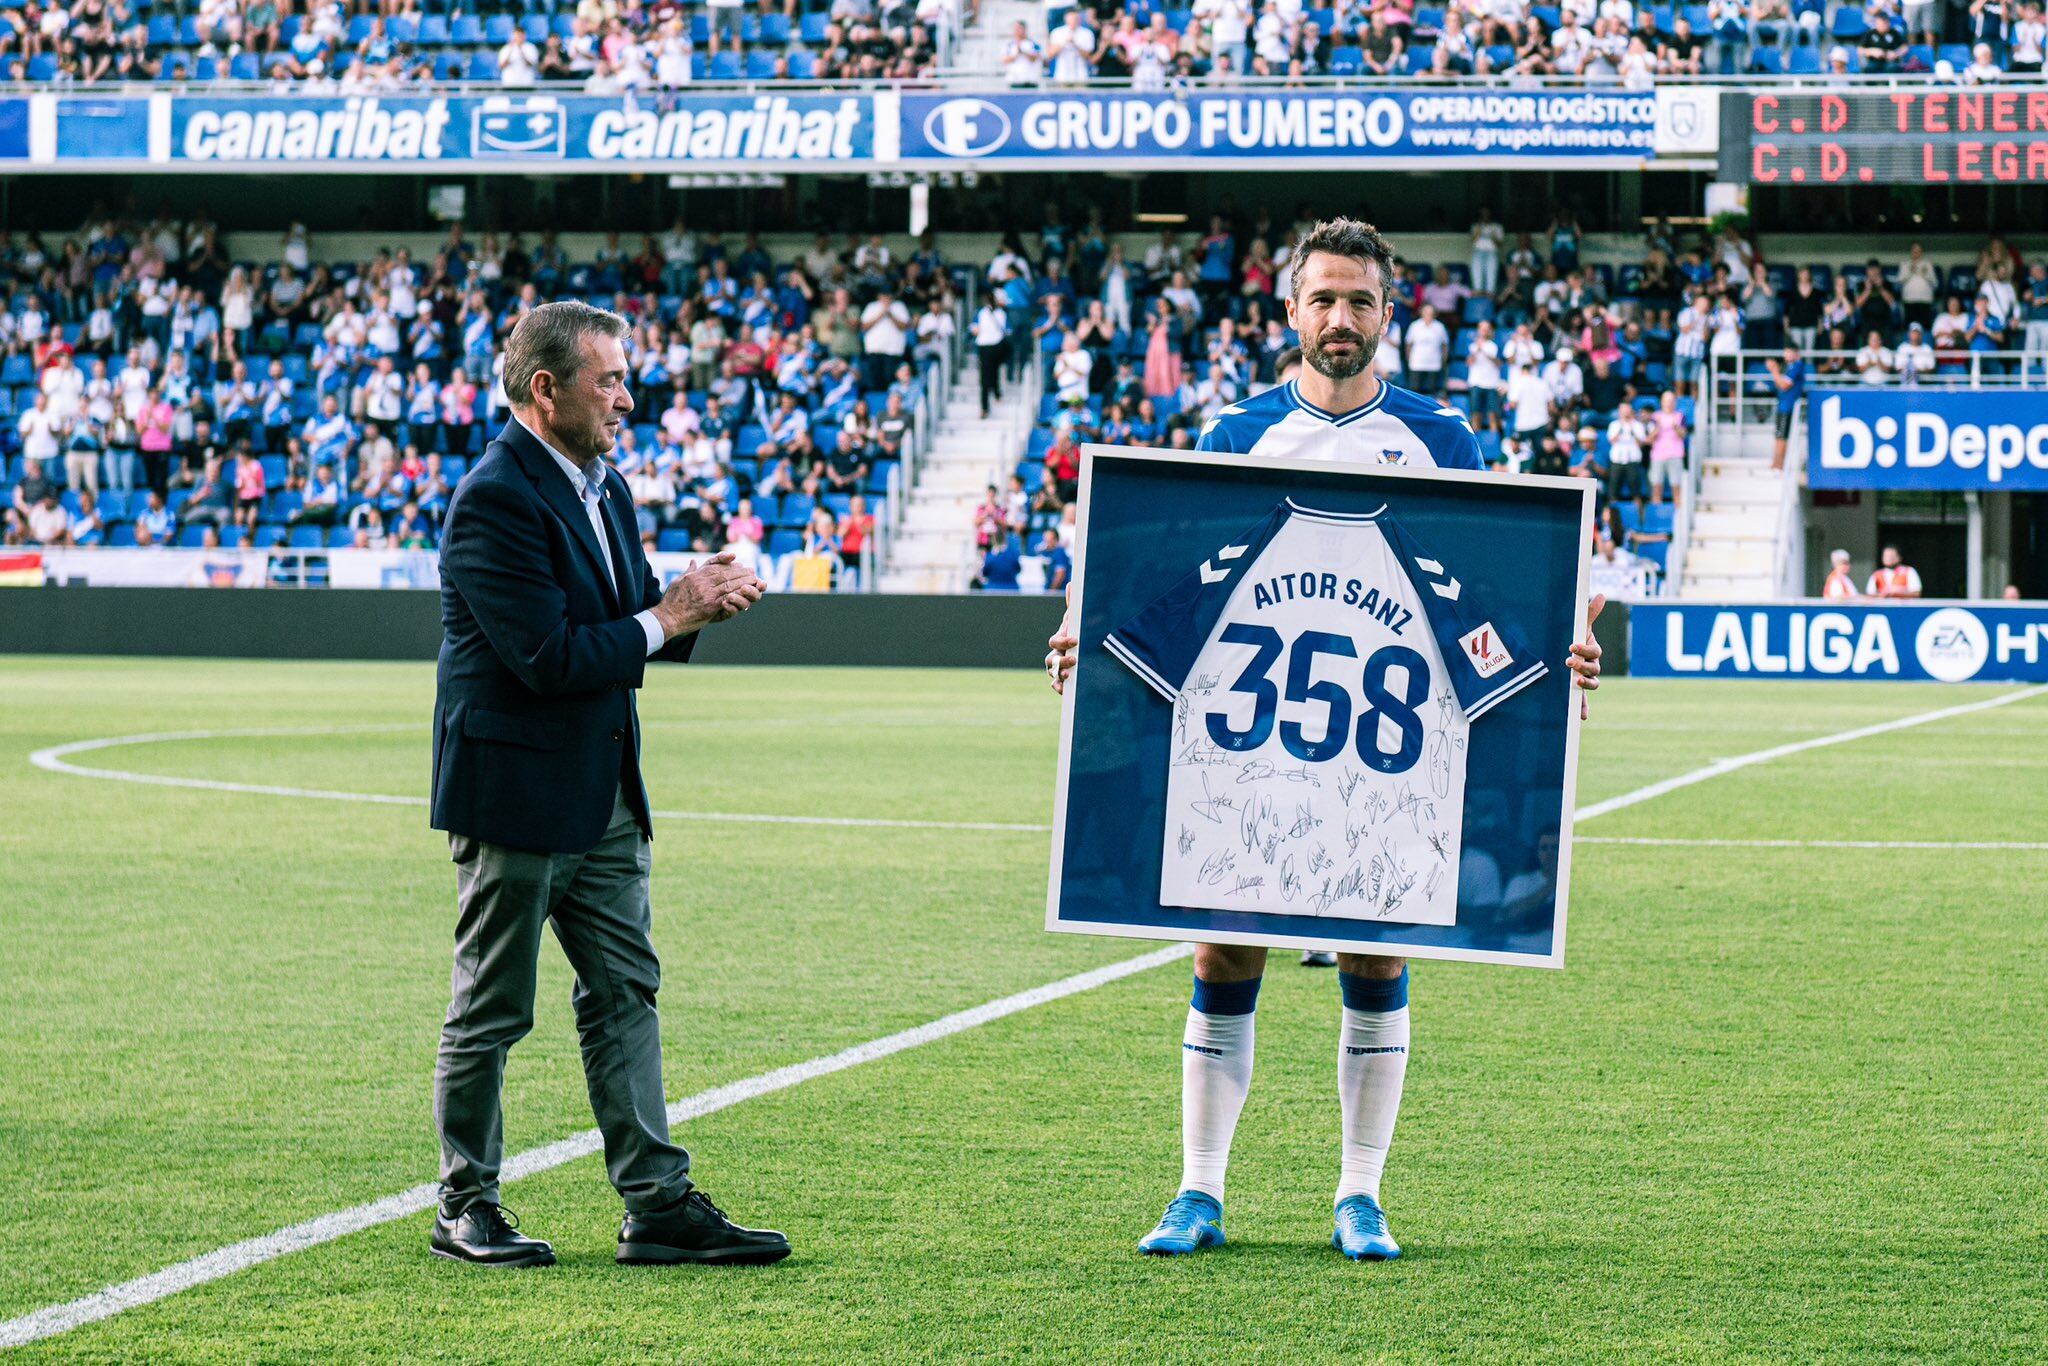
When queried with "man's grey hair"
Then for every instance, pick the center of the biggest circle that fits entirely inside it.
(550, 338)
(1839, 556)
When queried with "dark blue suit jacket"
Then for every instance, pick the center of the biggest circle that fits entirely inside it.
(535, 729)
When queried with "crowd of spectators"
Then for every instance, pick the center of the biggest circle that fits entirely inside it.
(600, 46)
(154, 390)
(1563, 366)
(607, 46)
(1611, 42)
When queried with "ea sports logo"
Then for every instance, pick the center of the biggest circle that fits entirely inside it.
(1952, 645)
(967, 127)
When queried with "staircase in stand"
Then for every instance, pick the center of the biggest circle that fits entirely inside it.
(933, 551)
(1733, 553)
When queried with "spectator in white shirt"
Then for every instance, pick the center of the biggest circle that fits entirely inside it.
(1023, 58)
(1229, 24)
(1072, 49)
(518, 61)
(1914, 357)
(41, 431)
(1529, 398)
(1874, 363)
(1428, 347)
(1563, 378)
(1482, 375)
(885, 332)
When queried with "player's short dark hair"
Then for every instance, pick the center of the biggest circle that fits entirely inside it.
(1345, 237)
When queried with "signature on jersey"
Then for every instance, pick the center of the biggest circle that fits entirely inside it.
(1212, 807)
(1200, 751)
(1217, 867)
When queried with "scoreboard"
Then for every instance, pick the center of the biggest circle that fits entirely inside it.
(1930, 136)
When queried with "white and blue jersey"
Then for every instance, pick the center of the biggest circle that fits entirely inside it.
(1324, 672)
(1396, 428)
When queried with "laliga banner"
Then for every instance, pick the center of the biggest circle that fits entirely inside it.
(1934, 643)
(1928, 439)
(1340, 127)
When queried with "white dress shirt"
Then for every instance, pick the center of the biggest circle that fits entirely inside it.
(590, 493)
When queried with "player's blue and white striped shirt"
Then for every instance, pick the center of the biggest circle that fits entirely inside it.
(1397, 428)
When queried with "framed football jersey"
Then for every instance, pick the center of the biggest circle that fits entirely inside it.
(1321, 705)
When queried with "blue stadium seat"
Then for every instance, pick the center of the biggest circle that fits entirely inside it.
(307, 537)
(359, 29)
(340, 536)
(536, 28)
(114, 504)
(453, 467)
(1922, 54)
(813, 26)
(177, 66)
(700, 68)
(1179, 19)
(448, 66)
(42, 67)
(191, 536)
(1849, 23)
(433, 30)
(760, 65)
(483, 65)
(1429, 17)
(1767, 60)
(1956, 54)
(1805, 61)
(120, 534)
(466, 31)
(1345, 61)
(672, 539)
(163, 31)
(18, 369)
(232, 537)
(775, 29)
(563, 25)
(725, 66)
(839, 504)
(498, 30)
(188, 31)
(795, 510)
(803, 64)
(269, 534)
(784, 541)
(404, 28)
(700, 29)
(1551, 15)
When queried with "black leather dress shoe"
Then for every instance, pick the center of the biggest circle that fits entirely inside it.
(695, 1230)
(489, 1236)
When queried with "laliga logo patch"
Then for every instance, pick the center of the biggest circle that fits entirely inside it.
(1952, 645)
(967, 127)
(1482, 646)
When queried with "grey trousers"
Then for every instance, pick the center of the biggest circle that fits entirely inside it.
(599, 907)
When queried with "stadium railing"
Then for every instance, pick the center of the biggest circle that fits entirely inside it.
(1741, 405)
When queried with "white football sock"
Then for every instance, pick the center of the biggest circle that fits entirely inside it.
(1215, 1077)
(1372, 1061)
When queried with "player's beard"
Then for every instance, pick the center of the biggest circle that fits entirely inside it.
(1341, 367)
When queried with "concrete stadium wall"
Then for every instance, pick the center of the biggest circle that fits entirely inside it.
(994, 632)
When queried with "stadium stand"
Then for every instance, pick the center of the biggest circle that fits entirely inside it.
(1176, 330)
(603, 46)
(311, 402)
(599, 45)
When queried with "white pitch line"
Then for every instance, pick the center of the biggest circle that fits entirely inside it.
(253, 1252)
(1683, 843)
(56, 759)
(226, 1261)
(1764, 756)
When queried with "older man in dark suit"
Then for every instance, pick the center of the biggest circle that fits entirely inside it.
(550, 615)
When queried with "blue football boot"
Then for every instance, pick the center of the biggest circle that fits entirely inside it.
(1192, 1222)
(1362, 1231)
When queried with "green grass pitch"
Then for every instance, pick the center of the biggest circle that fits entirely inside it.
(1782, 1103)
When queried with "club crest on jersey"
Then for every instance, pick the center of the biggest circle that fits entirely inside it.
(1483, 648)
(1390, 456)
